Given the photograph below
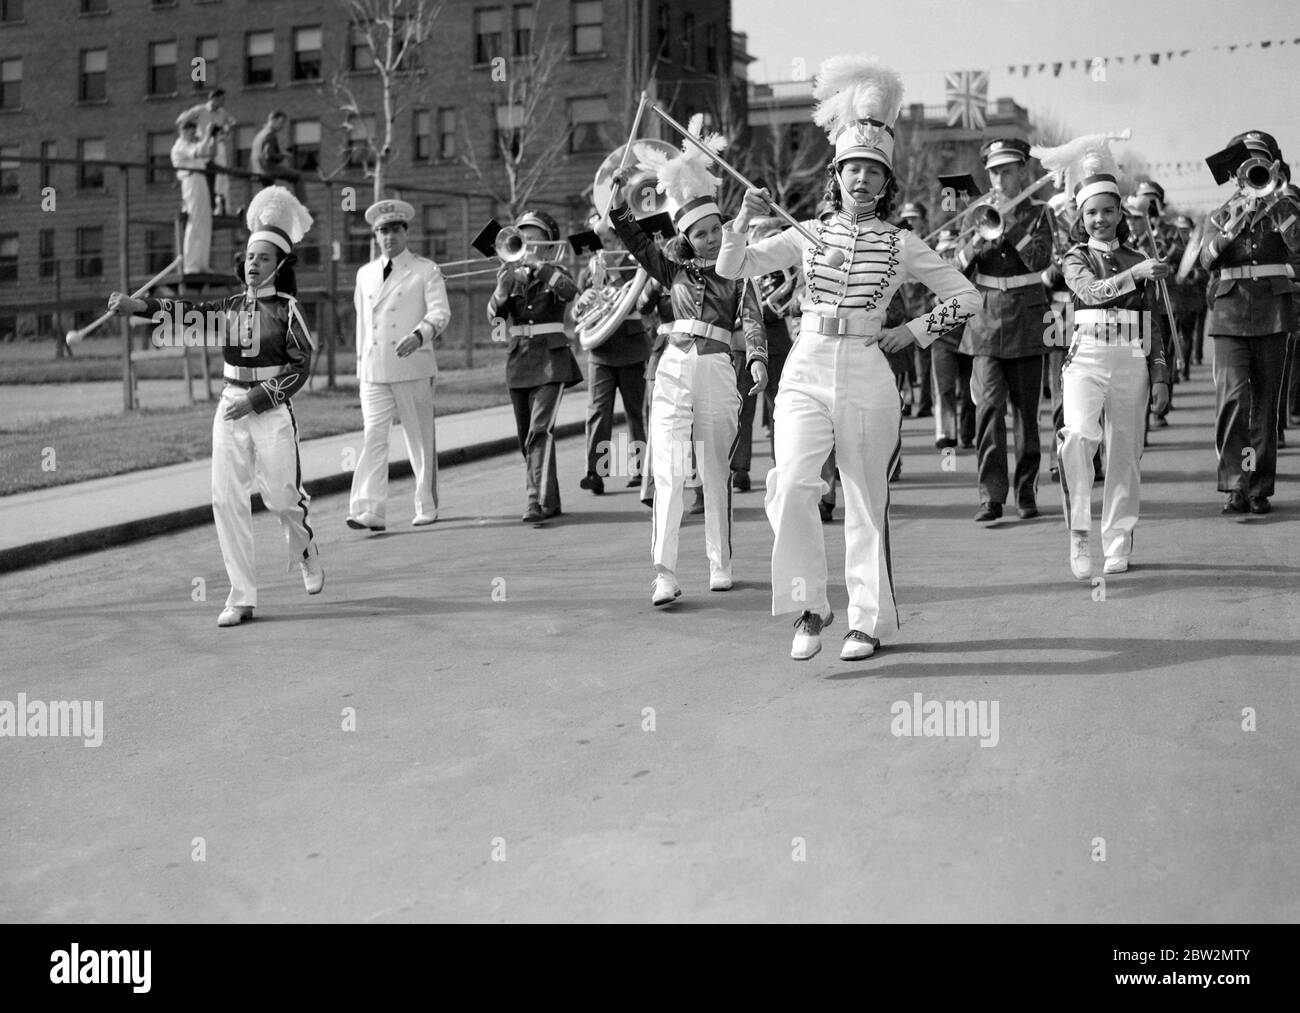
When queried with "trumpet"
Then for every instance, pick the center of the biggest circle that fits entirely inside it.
(989, 214)
(1258, 178)
(511, 247)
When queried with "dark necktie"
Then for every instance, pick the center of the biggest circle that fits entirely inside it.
(388, 269)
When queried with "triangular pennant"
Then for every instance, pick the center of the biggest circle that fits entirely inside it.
(1169, 54)
(1056, 70)
(1231, 49)
(1041, 66)
(1024, 70)
(1155, 62)
(1073, 63)
(1137, 58)
(1011, 69)
(1265, 45)
(1119, 59)
(1249, 44)
(1184, 52)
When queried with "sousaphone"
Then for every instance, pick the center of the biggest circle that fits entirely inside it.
(601, 316)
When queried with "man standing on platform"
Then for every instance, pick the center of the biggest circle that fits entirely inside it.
(1006, 334)
(210, 114)
(401, 307)
(190, 156)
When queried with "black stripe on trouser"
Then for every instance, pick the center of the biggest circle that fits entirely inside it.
(548, 445)
(727, 472)
(894, 459)
(297, 478)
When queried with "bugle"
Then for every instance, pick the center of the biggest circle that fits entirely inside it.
(990, 225)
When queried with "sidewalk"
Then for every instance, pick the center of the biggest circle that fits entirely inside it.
(37, 527)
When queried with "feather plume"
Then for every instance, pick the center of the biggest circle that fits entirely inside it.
(852, 88)
(1077, 159)
(686, 176)
(275, 205)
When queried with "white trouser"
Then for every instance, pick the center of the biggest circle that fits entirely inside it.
(696, 393)
(221, 184)
(1110, 379)
(412, 400)
(261, 448)
(835, 392)
(198, 226)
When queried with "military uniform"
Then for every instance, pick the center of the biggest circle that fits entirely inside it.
(1006, 339)
(1250, 315)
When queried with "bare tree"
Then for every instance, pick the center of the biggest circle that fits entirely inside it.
(526, 138)
(1048, 129)
(391, 34)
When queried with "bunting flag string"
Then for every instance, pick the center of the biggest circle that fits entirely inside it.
(1092, 63)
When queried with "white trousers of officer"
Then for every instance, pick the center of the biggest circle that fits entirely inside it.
(835, 392)
(197, 246)
(412, 401)
(1110, 379)
(259, 450)
(693, 392)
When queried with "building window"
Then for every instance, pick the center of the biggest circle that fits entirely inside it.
(244, 146)
(688, 41)
(94, 6)
(9, 169)
(305, 136)
(489, 33)
(162, 68)
(94, 75)
(360, 56)
(588, 26)
(446, 133)
(8, 256)
(90, 252)
(207, 49)
(11, 10)
(160, 158)
(423, 146)
(308, 252)
(523, 30)
(11, 84)
(587, 117)
(711, 48)
(49, 151)
(663, 32)
(306, 54)
(357, 248)
(46, 266)
(157, 249)
(259, 58)
(361, 140)
(434, 220)
(510, 123)
(89, 175)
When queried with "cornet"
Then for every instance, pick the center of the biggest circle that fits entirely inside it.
(1258, 178)
(511, 247)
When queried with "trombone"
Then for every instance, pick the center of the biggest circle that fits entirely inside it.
(989, 214)
(511, 247)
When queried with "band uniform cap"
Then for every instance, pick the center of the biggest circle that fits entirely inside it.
(485, 241)
(1004, 150)
(1223, 164)
(1151, 187)
(540, 220)
(277, 237)
(1259, 143)
(1183, 222)
(695, 211)
(385, 211)
(913, 210)
(1091, 186)
(963, 184)
(870, 139)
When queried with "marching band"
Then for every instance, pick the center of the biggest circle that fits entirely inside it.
(725, 312)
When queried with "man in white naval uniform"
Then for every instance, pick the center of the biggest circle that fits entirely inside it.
(401, 308)
(189, 156)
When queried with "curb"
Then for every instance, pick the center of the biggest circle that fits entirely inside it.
(37, 553)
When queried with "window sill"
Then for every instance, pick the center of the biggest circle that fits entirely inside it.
(93, 14)
(10, 109)
(92, 102)
(162, 96)
(584, 57)
(263, 86)
(299, 82)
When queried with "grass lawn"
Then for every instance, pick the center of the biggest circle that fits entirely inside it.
(85, 448)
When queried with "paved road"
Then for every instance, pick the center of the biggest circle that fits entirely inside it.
(515, 729)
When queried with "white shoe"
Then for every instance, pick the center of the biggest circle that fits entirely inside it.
(367, 519)
(664, 590)
(858, 645)
(313, 577)
(1116, 564)
(808, 635)
(1080, 558)
(720, 582)
(421, 519)
(233, 615)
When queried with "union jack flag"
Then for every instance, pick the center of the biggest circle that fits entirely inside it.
(967, 94)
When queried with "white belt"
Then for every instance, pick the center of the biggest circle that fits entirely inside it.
(1257, 271)
(1108, 317)
(858, 327)
(700, 329)
(1015, 281)
(665, 328)
(251, 374)
(528, 330)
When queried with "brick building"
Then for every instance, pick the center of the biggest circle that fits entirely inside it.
(104, 80)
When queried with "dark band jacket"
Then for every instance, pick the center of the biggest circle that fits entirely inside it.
(535, 360)
(1245, 306)
(1104, 280)
(697, 292)
(261, 333)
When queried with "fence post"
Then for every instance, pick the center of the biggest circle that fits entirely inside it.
(124, 285)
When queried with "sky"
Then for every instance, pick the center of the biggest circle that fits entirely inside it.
(1180, 110)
